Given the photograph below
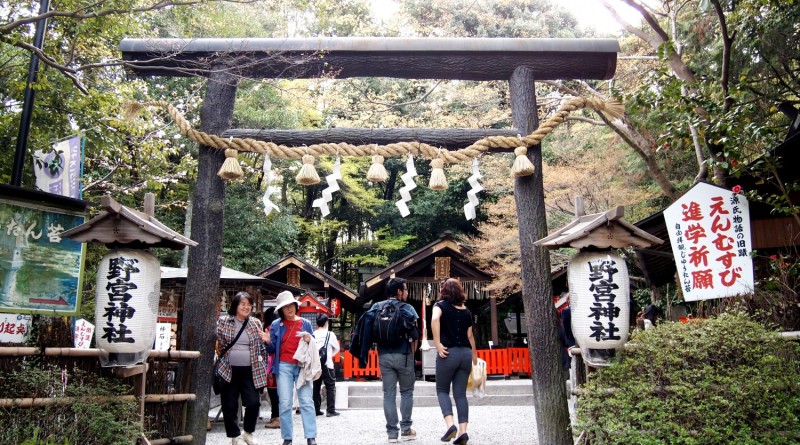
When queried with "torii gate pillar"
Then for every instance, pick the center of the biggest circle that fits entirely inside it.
(205, 261)
(549, 393)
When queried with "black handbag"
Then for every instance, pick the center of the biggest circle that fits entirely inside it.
(218, 382)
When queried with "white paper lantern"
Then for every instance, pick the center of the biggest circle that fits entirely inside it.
(126, 306)
(599, 302)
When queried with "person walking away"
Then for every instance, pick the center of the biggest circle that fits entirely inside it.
(648, 317)
(327, 340)
(272, 392)
(243, 368)
(272, 384)
(396, 344)
(285, 336)
(451, 323)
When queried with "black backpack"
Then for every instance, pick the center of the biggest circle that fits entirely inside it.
(388, 329)
(323, 351)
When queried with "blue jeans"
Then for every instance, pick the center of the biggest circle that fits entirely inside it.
(287, 376)
(397, 368)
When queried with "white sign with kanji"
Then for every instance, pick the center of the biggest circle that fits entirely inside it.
(84, 331)
(163, 336)
(709, 228)
(14, 328)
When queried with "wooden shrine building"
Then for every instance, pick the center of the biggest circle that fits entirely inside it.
(319, 290)
(231, 281)
(424, 270)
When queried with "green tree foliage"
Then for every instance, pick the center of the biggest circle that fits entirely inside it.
(720, 380)
(253, 241)
(713, 92)
(497, 18)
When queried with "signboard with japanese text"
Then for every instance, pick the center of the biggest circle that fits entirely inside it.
(14, 328)
(709, 228)
(163, 336)
(40, 272)
(167, 312)
(335, 306)
(82, 337)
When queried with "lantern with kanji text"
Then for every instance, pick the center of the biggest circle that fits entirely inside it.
(126, 306)
(598, 279)
(128, 278)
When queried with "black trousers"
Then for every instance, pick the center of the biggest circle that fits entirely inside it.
(273, 401)
(330, 389)
(241, 385)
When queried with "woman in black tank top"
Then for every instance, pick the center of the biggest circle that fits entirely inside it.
(451, 324)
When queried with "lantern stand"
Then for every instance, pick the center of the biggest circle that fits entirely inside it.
(128, 284)
(598, 279)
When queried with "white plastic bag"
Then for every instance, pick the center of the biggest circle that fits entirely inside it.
(477, 379)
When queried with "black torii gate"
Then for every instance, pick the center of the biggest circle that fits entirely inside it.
(519, 61)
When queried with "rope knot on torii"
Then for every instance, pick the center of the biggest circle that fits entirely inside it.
(231, 169)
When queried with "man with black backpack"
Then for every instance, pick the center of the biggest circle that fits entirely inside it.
(394, 329)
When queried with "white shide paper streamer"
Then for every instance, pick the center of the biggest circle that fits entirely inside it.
(472, 194)
(268, 204)
(405, 191)
(332, 187)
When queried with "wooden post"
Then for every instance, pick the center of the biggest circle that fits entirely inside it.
(150, 204)
(493, 320)
(579, 210)
(550, 396)
(200, 315)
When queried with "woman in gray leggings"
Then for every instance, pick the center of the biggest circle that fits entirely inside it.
(451, 323)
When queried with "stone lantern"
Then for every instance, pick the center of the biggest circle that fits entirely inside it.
(598, 279)
(128, 278)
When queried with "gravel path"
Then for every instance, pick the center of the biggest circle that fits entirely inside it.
(488, 425)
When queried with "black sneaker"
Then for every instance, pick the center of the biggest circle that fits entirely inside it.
(332, 413)
(320, 413)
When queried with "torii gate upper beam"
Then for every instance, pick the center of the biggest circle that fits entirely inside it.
(479, 59)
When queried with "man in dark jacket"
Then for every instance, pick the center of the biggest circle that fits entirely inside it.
(396, 360)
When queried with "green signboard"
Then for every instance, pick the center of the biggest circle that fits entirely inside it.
(40, 271)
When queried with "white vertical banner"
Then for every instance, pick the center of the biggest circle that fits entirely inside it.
(163, 336)
(58, 170)
(82, 337)
(709, 228)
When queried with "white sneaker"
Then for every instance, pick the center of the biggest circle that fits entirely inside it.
(249, 439)
(238, 441)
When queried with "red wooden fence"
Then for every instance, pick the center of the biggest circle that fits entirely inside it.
(503, 362)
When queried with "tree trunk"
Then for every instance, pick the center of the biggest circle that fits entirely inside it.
(550, 397)
(641, 145)
(200, 314)
(391, 183)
